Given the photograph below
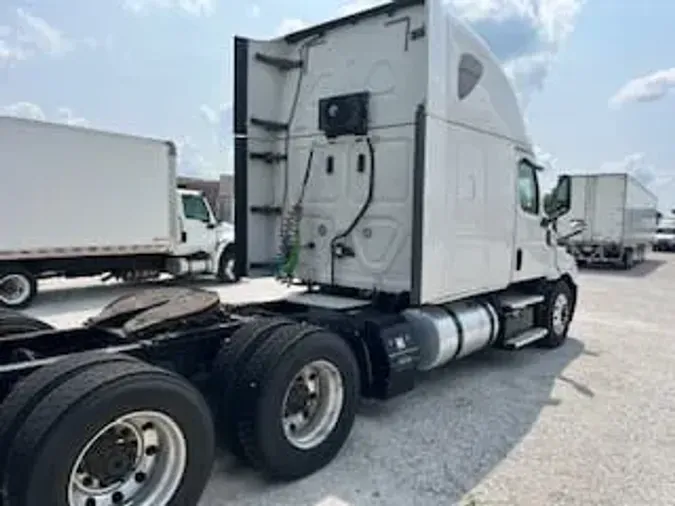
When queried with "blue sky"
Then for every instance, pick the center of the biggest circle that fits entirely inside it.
(594, 76)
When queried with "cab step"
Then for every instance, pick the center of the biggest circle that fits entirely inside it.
(517, 301)
(523, 339)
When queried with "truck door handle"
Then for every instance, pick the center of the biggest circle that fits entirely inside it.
(519, 259)
(183, 236)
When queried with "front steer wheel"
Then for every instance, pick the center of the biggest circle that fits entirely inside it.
(556, 314)
(227, 270)
(18, 287)
(122, 432)
(297, 401)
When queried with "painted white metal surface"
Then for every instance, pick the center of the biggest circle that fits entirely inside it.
(472, 225)
(339, 63)
(68, 191)
(470, 214)
(615, 207)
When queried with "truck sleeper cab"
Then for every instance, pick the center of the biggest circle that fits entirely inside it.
(396, 185)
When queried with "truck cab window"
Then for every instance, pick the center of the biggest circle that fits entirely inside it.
(528, 188)
(195, 208)
(469, 73)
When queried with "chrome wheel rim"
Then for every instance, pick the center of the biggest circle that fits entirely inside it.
(14, 289)
(312, 405)
(560, 313)
(137, 460)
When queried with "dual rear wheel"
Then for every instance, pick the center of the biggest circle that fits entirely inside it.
(99, 429)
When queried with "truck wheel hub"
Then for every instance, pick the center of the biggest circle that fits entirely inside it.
(560, 313)
(139, 459)
(13, 288)
(312, 405)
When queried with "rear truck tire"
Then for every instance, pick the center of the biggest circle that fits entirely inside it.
(227, 272)
(31, 390)
(556, 314)
(18, 287)
(122, 432)
(229, 365)
(13, 322)
(297, 401)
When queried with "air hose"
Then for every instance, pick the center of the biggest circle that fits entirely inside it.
(289, 254)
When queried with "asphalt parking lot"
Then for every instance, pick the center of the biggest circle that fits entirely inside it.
(588, 424)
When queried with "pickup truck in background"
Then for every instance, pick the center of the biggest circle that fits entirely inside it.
(664, 238)
(78, 202)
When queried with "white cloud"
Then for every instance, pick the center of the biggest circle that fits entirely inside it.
(26, 110)
(647, 88)
(220, 121)
(526, 35)
(549, 176)
(209, 114)
(192, 162)
(29, 110)
(192, 7)
(32, 35)
(638, 165)
(66, 115)
(35, 32)
(353, 6)
(289, 25)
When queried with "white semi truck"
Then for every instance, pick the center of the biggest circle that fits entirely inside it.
(619, 217)
(411, 210)
(81, 202)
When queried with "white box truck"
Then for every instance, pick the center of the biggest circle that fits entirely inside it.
(619, 215)
(664, 238)
(397, 183)
(81, 202)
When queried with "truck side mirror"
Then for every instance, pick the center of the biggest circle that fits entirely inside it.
(558, 202)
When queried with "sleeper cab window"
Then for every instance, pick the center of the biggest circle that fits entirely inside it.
(528, 188)
(469, 73)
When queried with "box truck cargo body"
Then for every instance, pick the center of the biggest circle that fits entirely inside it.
(81, 202)
(619, 214)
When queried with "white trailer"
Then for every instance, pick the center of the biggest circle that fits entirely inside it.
(411, 210)
(81, 202)
(619, 215)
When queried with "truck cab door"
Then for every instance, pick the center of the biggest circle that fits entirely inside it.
(532, 252)
(197, 227)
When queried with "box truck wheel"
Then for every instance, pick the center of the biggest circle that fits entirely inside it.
(227, 272)
(299, 402)
(556, 314)
(122, 432)
(18, 287)
(228, 369)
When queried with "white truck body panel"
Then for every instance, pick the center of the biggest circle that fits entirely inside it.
(616, 208)
(430, 228)
(69, 191)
